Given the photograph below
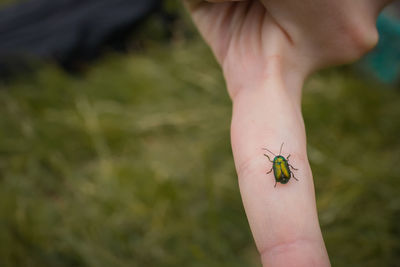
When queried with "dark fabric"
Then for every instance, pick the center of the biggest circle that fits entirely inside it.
(66, 29)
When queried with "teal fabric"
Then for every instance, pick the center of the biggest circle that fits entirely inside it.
(384, 61)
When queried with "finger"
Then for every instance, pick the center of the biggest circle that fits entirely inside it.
(283, 220)
(215, 21)
(378, 5)
(194, 4)
(220, 1)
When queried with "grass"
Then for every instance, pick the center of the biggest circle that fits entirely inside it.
(122, 167)
(7, 2)
(130, 164)
(353, 131)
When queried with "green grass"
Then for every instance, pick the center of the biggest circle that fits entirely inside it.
(130, 165)
(122, 167)
(354, 148)
(7, 2)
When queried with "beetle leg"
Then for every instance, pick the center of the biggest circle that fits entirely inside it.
(287, 158)
(275, 184)
(294, 177)
(268, 158)
(293, 167)
(270, 171)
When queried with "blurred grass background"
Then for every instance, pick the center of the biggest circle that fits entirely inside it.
(129, 163)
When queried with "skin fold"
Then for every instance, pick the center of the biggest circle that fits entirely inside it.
(266, 50)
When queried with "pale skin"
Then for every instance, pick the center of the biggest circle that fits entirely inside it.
(267, 49)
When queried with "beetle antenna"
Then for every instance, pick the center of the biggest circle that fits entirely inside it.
(280, 151)
(269, 151)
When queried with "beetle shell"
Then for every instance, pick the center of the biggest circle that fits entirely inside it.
(281, 169)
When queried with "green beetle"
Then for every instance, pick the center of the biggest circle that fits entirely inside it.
(281, 167)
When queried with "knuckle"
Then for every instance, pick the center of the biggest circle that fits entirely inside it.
(362, 38)
(251, 166)
(290, 252)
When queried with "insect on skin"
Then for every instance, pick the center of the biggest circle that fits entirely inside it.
(281, 167)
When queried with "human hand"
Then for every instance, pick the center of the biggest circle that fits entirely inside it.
(266, 49)
(314, 34)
